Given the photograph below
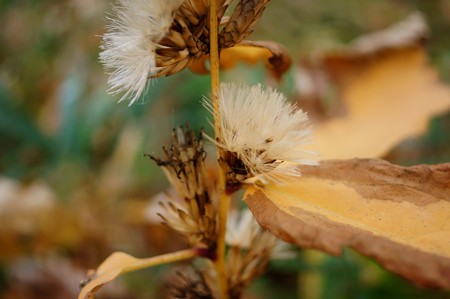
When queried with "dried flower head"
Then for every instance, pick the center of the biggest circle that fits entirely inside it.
(241, 228)
(244, 232)
(191, 210)
(251, 248)
(130, 44)
(191, 283)
(154, 38)
(262, 134)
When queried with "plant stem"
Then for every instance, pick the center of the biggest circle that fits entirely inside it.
(220, 253)
(224, 198)
(215, 65)
(161, 259)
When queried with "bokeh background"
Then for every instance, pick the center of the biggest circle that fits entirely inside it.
(73, 179)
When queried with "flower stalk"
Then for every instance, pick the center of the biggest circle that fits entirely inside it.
(164, 259)
(219, 263)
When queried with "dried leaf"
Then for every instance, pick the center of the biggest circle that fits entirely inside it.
(387, 88)
(275, 57)
(410, 31)
(112, 267)
(119, 263)
(387, 100)
(398, 215)
(314, 74)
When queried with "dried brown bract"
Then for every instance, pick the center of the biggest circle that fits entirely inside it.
(188, 37)
(241, 22)
(190, 284)
(250, 250)
(191, 210)
(154, 38)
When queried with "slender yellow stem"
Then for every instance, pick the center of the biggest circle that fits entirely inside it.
(220, 253)
(224, 198)
(161, 259)
(214, 64)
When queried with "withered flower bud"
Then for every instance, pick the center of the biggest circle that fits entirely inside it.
(250, 250)
(192, 284)
(191, 212)
(153, 38)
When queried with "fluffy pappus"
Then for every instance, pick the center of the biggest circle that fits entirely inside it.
(129, 46)
(262, 134)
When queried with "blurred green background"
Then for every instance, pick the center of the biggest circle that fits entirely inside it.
(77, 154)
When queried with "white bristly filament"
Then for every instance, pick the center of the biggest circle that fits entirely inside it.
(128, 48)
(264, 130)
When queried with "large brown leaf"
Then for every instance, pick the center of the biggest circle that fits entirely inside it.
(398, 215)
(386, 100)
(387, 89)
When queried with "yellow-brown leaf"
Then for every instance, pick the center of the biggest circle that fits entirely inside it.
(386, 99)
(398, 215)
(386, 87)
(106, 272)
(275, 57)
(119, 263)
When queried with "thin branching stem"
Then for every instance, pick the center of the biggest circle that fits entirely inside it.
(224, 198)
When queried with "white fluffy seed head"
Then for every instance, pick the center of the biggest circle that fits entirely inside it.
(244, 232)
(128, 48)
(241, 229)
(264, 131)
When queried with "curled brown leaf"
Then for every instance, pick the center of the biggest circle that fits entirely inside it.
(400, 216)
(119, 263)
(386, 91)
(112, 267)
(275, 57)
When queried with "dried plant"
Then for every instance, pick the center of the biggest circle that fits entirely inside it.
(262, 134)
(191, 211)
(250, 250)
(150, 39)
(190, 284)
(259, 139)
